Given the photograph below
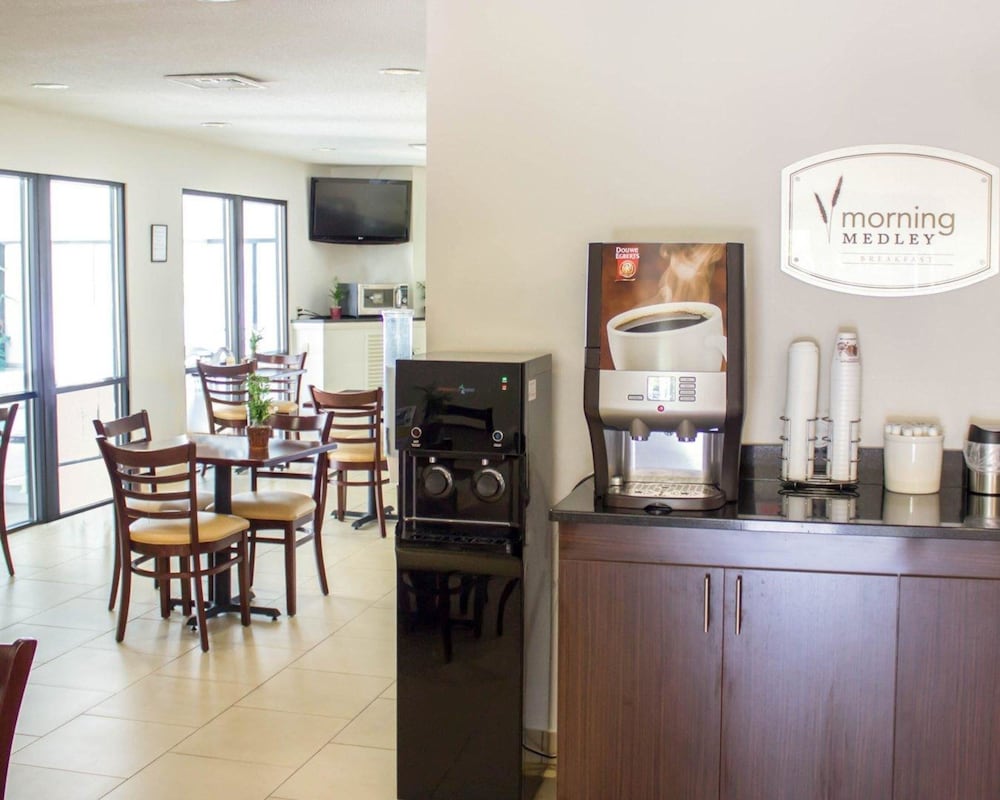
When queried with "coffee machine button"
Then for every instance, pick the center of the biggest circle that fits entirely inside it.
(497, 436)
(415, 432)
(636, 397)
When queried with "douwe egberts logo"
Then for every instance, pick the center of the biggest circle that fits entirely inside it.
(627, 262)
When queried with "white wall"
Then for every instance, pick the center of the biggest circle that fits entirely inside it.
(155, 169)
(551, 125)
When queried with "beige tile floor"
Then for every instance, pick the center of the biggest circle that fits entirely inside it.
(302, 708)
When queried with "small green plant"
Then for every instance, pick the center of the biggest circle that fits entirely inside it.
(259, 399)
(256, 334)
(338, 292)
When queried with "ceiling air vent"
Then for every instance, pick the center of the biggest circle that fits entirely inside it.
(217, 80)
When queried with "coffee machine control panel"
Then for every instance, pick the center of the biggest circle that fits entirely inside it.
(670, 389)
(659, 399)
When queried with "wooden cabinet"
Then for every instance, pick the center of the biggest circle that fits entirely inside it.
(639, 681)
(808, 680)
(947, 690)
(865, 665)
(799, 706)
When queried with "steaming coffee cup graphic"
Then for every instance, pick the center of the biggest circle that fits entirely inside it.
(668, 337)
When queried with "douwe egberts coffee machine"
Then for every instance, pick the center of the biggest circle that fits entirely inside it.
(663, 378)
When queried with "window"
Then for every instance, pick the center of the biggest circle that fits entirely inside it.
(235, 281)
(62, 337)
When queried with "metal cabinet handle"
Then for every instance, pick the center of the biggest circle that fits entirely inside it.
(739, 603)
(708, 590)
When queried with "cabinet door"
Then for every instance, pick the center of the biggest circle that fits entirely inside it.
(948, 693)
(808, 683)
(639, 681)
(352, 357)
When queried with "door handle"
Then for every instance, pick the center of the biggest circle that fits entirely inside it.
(739, 603)
(708, 591)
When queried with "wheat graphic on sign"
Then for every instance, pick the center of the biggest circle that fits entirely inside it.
(828, 218)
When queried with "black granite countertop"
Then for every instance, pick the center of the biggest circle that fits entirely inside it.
(867, 509)
(344, 319)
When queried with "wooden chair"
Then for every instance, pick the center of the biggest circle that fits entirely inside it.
(225, 390)
(7, 416)
(356, 427)
(135, 428)
(284, 388)
(159, 534)
(292, 513)
(15, 665)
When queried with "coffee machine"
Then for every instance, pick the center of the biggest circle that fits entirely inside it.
(663, 376)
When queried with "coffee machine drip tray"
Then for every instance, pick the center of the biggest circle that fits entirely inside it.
(659, 497)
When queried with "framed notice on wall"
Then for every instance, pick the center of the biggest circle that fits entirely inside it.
(157, 243)
(890, 220)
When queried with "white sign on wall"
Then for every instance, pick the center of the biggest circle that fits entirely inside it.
(890, 220)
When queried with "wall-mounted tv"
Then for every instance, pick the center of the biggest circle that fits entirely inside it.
(359, 211)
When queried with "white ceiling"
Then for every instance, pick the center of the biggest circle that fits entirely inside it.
(319, 60)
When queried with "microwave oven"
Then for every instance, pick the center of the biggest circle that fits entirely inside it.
(369, 299)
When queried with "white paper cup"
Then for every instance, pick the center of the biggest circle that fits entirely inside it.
(913, 463)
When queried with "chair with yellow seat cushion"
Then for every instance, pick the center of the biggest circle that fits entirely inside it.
(135, 428)
(298, 516)
(357, 429)
(204, 543)
(284, 372)
(226, 395)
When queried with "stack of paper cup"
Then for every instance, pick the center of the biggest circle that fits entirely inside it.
(845, 406)
(800, 408)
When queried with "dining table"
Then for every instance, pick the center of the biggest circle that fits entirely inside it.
(226, 453)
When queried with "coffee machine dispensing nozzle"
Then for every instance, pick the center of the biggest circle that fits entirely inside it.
(638, 430)
(686, 431)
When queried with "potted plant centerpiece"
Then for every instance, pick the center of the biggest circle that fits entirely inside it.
(258, 412)
(256, 335)
(337, 294)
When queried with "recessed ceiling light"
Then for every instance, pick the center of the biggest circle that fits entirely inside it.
(399, 71)
(49, 86)
(419, 145)
(326, 149)
(214, 124)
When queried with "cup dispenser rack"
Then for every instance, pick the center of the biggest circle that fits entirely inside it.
(823, 478)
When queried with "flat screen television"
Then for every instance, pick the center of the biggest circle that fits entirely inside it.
(359, 210)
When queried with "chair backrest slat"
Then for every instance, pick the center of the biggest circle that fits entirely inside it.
(319, 424)
(356, 415)
(133, 428)
(167, 474)
(283, 387)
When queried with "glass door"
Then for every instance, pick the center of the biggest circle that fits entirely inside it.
(62, 338)
(87, 325)
(19, 493)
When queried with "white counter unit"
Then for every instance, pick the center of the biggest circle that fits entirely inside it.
(345, 354)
